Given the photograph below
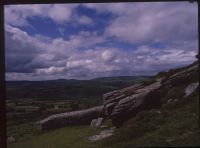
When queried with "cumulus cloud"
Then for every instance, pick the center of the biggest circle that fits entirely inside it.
(151, 22)
(18, 14)
(85, 54)
(26, 54)
(85, 20)
(107, 55)
(20, 50)
(50, 70)
(48, 63)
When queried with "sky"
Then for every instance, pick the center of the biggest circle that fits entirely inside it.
(90, 40)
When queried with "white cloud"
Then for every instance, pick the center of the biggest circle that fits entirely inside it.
(85, 20)
(25, 53)
(60, 13)
(77, 63)
(151, 22)
(18, 14)
(81, 56)
(50, 70)
(96, 63)
(107, 55)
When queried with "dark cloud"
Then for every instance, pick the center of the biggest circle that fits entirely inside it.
(18, 55)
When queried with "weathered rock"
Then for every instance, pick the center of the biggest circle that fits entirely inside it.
(103, 134)
(93, 122)
(99, 122)
(11, 139)
(191, 88)
(175, 100)
(71, 118)
(121, 105)
(169, 100)
(103, 126)
(118, 95)
(170, 140)
(184, 74)
(96, 122)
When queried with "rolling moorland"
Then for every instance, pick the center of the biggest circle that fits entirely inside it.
(26, 100)
(63, 89)
(30, 101)
(171, 122)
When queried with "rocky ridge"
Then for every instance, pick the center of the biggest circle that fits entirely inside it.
(121, 105)
(71, 118)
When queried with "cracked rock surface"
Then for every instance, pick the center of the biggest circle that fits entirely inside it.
(120, 105)
(71, 118)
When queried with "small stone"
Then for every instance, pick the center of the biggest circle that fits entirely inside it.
(11, 139)
(103, 134)
(169, 100)
(113, 128)
(92, 124)
(170, 140)
(96, 122)
(158, 112)
(191, 88)
(175, 100)
(103, 126)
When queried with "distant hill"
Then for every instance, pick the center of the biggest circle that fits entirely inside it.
(68, 89)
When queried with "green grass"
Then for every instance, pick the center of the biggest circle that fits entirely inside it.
(68, 89)
(176, 125)
(68, 137)
(27, 135)
(22, 131)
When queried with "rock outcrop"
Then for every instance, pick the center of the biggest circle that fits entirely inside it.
(183, 75)
(71, 118)
(11, 139)
(118, 105)
(96, 122)
(122, 104)
(103, 134)
(191, 88)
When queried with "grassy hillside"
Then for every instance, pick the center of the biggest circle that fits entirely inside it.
(175, 123)
(31, 101)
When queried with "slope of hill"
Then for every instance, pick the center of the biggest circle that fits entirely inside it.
(174, 122)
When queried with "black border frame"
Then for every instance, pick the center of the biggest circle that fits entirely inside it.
(3, 139)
